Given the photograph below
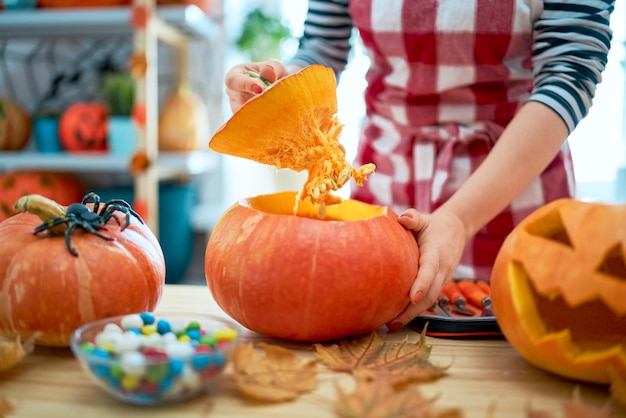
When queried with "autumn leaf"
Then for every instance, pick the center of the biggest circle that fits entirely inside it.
(403, 361)
(279, 376)
(575, 409)
(618, 388)
(13, 351)
(5, 408)
(377, 397)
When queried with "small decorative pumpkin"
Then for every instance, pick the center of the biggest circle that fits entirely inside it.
(47, 291)
(183, 123)
(84, 126)
(82, 3)
(559, 289)
(64, 188)
(305, 266)
(295, 276)
(15, 125)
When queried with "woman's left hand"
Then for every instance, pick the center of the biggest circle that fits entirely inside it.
(441, 238)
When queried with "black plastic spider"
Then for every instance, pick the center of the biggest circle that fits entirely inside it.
(80, 215)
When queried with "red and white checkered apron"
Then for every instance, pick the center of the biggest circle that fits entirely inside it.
(446, 77)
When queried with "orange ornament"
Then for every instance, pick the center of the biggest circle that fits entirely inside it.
(84, 126)
(139, 114)
(139, 17)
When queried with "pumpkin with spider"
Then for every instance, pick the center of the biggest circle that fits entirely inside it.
(80, 215)
(47, 291)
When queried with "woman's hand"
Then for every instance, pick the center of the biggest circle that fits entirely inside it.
(441, 238)
(241, 86)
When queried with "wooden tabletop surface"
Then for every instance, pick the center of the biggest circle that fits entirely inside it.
(487, 378)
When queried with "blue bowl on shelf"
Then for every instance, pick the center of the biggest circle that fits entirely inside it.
(19, 4)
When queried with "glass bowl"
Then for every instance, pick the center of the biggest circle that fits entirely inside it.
(151, 359)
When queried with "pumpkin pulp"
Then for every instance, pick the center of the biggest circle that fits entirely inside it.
(293, 124)
(284, 203)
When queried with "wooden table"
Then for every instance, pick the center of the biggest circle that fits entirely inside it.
(49, 383)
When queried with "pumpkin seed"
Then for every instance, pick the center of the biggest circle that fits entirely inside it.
(331, 183)
(321, 210)
(367, 169)
(343, 176)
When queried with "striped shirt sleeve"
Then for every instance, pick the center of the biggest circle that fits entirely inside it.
(326, 38)
(572, 41)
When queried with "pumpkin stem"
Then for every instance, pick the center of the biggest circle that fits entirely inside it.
(46, 209)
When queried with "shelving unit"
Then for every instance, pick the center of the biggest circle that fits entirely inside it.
(170, 165)
(174, 25)
(189, 20)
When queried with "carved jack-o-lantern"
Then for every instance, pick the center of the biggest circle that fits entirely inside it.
(559, 290)
(84, 127)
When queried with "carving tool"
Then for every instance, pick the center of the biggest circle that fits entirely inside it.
(484, 286)
(438, 309)
(456, 298)
(476, 296)
(444, 304)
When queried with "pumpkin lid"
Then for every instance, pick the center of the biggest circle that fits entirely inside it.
(293, 124)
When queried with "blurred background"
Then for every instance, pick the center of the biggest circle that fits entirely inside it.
(57, 53)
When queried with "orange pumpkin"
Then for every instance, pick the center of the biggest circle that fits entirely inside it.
(307, 265)
(82, 3)
(183, 123)
(298, 277)
(64, 188)
(84, 126)
(559, 290)
(48, 292)
(15, 125)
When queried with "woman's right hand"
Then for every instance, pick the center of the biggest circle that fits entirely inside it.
(241, 87)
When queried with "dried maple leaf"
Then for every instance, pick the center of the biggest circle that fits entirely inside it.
(279, 376)
(13, 351)
(575, 409)
(5, 408)
(618, 388)
(377, 397)
(403, 361)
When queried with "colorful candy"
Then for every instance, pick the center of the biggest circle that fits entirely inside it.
(145, 359)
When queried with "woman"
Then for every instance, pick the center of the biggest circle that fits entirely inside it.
(468, 108)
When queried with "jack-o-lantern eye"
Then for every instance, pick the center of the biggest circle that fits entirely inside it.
(550, 227)
(614, 264)
(559, 289)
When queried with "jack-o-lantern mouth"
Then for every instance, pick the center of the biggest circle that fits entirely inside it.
(592, 323)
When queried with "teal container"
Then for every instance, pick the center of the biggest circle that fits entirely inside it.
(176, 202)
(46, 133)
